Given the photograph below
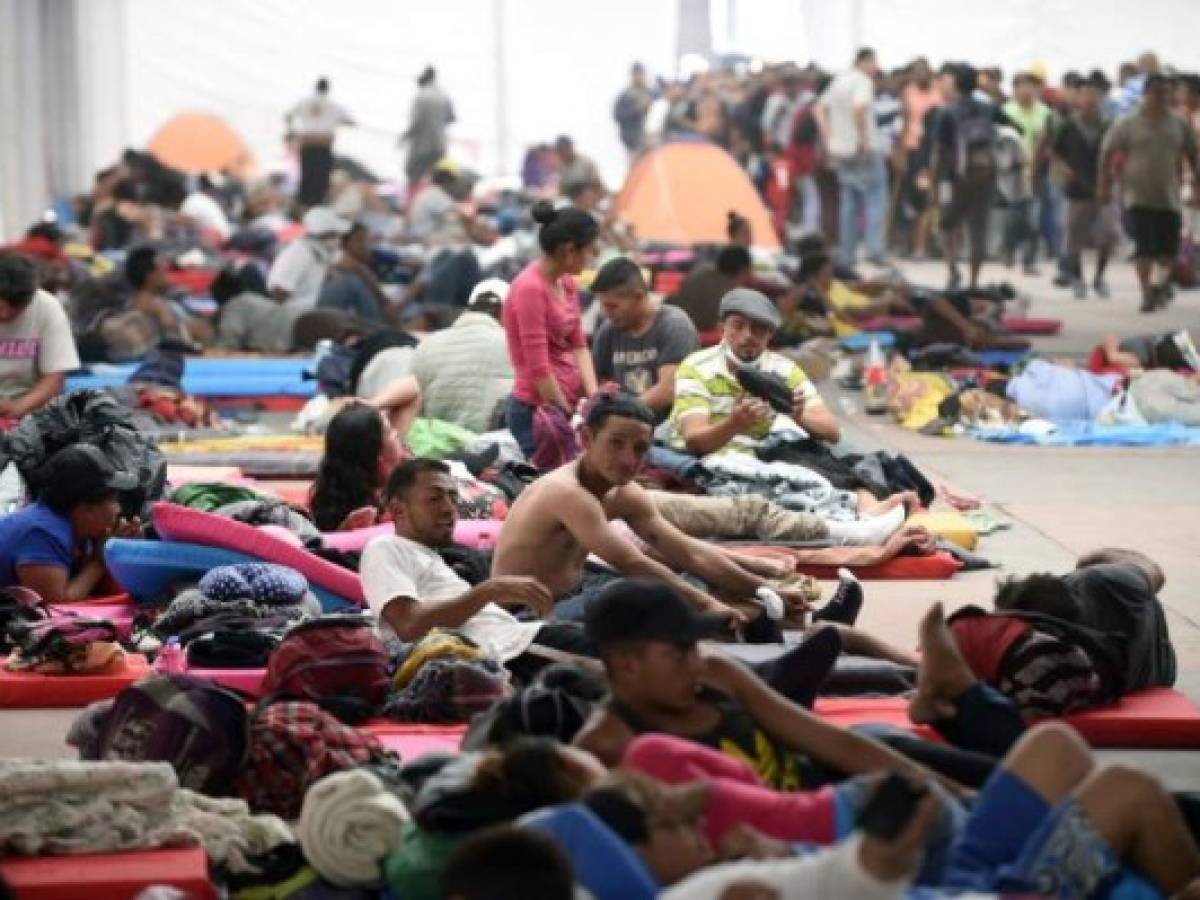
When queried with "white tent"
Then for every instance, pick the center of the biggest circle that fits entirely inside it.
(80, 80)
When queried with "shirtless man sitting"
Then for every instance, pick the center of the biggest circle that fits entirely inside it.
(568, 514)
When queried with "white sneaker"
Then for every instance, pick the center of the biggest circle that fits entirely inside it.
(1187, 349)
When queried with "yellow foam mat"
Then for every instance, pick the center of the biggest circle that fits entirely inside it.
(246, 442)
(949, 525)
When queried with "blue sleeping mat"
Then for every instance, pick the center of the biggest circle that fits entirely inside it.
(148, 569)
(862, 340)
(1001, 359)
(1085, 434)
(219, 377)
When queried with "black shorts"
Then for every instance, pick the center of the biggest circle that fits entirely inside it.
(1155, 232)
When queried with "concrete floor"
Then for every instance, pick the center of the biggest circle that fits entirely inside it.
(1060, 501)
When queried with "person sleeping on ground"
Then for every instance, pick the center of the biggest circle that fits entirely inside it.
(55, 546)
(1060, 644)
(411, 588)
(1174, 350)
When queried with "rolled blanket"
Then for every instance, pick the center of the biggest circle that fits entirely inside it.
(349, 825)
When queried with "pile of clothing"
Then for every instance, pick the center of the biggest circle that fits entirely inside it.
(233, 618)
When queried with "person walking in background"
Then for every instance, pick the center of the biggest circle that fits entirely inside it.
(630, 111)
(432, 113)
(314, 122)
(1032, 116)
(845, 114)
(964, 160)
(1076, 146)
(1153, 144)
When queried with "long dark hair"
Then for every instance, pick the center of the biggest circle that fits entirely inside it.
(349, 474)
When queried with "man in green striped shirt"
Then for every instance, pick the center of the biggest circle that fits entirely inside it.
(713, 412)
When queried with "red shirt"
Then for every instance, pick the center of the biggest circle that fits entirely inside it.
(543, 331)
(983, 641)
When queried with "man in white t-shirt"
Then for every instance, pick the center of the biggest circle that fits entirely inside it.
(846, 118)
(299, 270)
(411, 589)
(37, 348)
(314, 121)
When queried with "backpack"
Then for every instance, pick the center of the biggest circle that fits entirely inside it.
(199, 728)
(336, 662)
(975, 131)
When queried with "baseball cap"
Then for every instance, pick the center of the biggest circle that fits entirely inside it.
(322, 220)
(752, 304)
(489, 290)
(84, 464)
(638, 609)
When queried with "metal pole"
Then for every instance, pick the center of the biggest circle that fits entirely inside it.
(501, 87)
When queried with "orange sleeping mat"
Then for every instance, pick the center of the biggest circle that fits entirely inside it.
(28, 690)
(931, 567)
(1155, 718)
(412, 741)
(109, 876)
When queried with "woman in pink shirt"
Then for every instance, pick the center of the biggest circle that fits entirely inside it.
(550, 357)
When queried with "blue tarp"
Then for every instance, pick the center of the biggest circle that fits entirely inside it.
(1086, 434)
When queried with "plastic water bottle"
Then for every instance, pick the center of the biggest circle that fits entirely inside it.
(170, 660)
(875, 380)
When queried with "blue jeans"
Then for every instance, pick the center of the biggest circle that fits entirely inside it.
(863, 194)
(518, 416)
(1050, 216)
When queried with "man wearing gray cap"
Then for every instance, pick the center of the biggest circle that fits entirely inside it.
(713, 409)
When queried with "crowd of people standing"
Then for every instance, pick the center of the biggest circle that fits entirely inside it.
(918, 162)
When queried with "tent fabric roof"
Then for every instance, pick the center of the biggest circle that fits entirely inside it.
(682, 193)
(198, 142)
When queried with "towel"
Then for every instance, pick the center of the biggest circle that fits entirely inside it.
(349, 825)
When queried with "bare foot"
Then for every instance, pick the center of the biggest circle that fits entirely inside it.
(942, 675)
(959, 501)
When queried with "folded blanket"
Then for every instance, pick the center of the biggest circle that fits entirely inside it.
(349, 825)
(62, 806)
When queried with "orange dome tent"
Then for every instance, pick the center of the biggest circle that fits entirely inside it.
(200, 142)
(683, 193)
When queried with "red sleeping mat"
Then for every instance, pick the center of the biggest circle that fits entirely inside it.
(27, 690)
(1156, 718)
(932, 567)
(1031, 326)
(109, 876)
(412, 741)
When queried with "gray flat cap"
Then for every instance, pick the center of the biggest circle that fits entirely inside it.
(754, 305)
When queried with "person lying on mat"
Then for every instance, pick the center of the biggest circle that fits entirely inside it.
(1176, 350)
(55, 546)
(1112, 595)
(1046, 791)
(567, 515)
(361, 449)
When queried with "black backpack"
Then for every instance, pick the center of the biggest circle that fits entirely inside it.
(975, 131)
